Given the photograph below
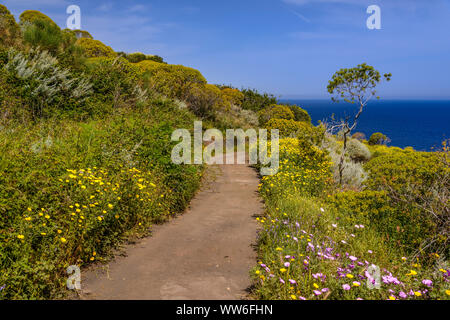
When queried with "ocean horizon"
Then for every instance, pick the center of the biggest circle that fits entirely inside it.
(421, 124)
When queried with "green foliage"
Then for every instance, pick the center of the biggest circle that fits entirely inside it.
(232, 97)
(80, 188)
(300, 114)
(410, 178)
(378, 138)
(114, 80)
(356, 84)
(43, 34)
(289, 128)
(281, 112)
(29, 17)
(82, 34)
(255, 101)
(10, 32)
(95, 48)
(203, 100)
(138, 57)
(173, 81)
(43, 84)
(275, 112)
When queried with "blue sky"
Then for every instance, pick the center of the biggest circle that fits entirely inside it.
(287, 47)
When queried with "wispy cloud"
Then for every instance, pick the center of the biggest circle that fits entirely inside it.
(301, 16)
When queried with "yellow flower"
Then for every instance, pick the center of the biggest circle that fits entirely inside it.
(391, 298)
(350, 276)
(356, 284)
(417, 293)
(28, 219)
(293, 297)
(412, 273)
(99, 218)
(283, 270)
(257, 272)
(29, 209)
(47, 216)
(315, 285)
(63, 240)
(92, 259)
(447, 292)
(110, 206)
(43, 233)
(21, 236)
(59, 231)
(279, 249)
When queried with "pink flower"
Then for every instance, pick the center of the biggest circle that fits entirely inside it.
(346, 287)
(427, 282)
(287, 264)
(282, 281)
(317, 292)
(402, 295)
(353, 258)
(292, 281)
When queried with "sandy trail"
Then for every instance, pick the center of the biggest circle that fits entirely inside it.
(206, 253)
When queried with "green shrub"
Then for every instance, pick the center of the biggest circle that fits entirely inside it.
(255, 101)
(139, 57)
(29, 17)
(232, 97)
(95, 48)
(80, 188)
(114, 80)
(300, 114)
(203, 100)
(275, 112)
(173, 81)
(45, 35)
(378, 138)
(82, 34)
(10, 34)
(288, 128)
(43, 84)
(358, 151)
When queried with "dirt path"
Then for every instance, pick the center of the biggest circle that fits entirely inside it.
(204, 254)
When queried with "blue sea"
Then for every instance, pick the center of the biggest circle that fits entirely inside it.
(422, 125)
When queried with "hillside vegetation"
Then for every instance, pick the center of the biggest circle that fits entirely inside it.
(85, 141)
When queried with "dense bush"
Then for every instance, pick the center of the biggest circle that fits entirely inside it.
(95, 48)
(78, 188)
(204, 100)
(82, 34)
(289, 128)
(138, 57)
(43, 84)
(29, 17)
(232, 97)
(255, 101)
(173, 81)
(116, 81)
(358, 151)
(275, 112)
(378, 138)
(300, 114)
(10, 32)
